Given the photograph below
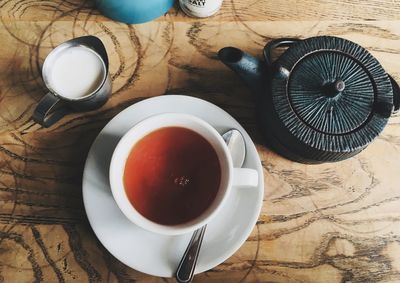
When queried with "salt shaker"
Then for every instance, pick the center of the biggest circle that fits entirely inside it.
(200, 8)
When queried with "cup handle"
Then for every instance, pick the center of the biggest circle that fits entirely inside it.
(245, 177)
(49, 110)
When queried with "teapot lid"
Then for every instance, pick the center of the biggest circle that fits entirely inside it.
(331, 93)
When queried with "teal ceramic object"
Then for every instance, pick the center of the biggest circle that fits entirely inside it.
(133, 11)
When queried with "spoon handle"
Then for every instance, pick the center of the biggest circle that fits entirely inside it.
(185, 271)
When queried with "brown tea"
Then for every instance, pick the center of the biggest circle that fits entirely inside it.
(172, 175)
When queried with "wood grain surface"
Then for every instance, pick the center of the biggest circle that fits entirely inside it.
(326, 223)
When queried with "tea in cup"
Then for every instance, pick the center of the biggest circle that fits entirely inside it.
(171, 173)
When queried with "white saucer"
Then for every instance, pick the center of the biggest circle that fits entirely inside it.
(152, 253)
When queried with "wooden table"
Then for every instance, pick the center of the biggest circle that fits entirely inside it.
(326, 223)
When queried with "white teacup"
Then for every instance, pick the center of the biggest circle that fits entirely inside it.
(230, 177)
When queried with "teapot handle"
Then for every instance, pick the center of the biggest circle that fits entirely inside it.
(396, 95)
(280, 42)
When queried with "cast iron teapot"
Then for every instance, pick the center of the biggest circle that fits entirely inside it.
(323, 100)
